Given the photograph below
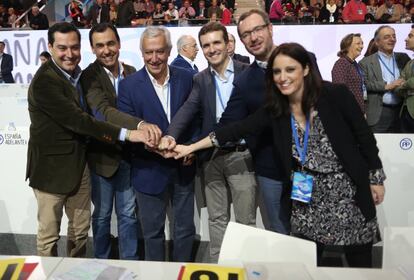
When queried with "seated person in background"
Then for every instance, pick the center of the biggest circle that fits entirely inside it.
(329, 12)
(201, 10)
(276, 12)
(38, 20)
(214, 9)
(171, 15)
(305, 12)
(389, 12)
(226, 15)
(186, 11)
(158, 15)
(354, 12)
(125, 13)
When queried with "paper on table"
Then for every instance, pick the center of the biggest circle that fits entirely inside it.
(93, 270)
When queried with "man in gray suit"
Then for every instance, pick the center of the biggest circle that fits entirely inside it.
(228, 171)
(382, 76)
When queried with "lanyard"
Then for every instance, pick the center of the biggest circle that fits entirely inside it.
(301, 150)
(386, 67)
(219, 94)
(361, 75)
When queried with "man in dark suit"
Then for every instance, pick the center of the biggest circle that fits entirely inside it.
(109, 164)
(56, 157)
(99, 12)
(382, 78)
(256, 31)
(155, 93)
(187, 51)
(228, 172)
(125, 13)
(6, 66)
(232, 48)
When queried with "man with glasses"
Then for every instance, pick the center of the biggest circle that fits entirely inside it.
(187, 51)
(256, 33)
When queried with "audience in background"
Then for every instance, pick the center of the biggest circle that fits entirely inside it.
(44, 57)
(38, 20)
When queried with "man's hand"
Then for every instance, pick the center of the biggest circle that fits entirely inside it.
(394, 84)
(378, 193)
(153, 133)
(139, 136)
(182, 151)
(167, 143)
(188, 160)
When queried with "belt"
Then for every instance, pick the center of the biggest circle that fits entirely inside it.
(391, 105)
(236, 148)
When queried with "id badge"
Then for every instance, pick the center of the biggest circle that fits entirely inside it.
(364, 92)
(302, 187)
(359, 12)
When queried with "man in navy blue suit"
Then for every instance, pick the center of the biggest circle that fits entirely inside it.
(6, 66)
(155, 93)
(256, 33)
(187, 51)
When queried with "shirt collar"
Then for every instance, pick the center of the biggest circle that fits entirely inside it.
(154, 81)
(383, 55)
(74, 78)
(121, 70)
(262, 64)
(188, 60)
(229, 70)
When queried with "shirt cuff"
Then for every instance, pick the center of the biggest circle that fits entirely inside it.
(122, 134)
(377, 177)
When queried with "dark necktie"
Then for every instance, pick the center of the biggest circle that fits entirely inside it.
(196, 68)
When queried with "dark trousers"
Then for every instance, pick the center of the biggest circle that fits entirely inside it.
(407, 122)
(356, 255)
(153, 211)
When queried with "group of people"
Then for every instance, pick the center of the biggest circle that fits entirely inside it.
(147, 12)
(271, 129)
(379, 82)
(339, 11)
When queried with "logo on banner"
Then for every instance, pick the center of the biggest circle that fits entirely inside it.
(406, 144)
(1, 139)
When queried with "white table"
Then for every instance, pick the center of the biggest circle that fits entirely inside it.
(170, 270)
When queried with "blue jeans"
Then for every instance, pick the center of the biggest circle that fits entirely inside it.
(153, 211)
(271, 192)
(104, 190)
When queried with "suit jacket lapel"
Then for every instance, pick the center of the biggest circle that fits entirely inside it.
(106, 82)
(376, 67)
(211, 95)
(74, 91)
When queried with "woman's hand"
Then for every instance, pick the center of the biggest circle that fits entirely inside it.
(378, 192)
(182, 151)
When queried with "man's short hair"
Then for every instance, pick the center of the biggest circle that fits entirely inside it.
(155, 31)
(182, 41)
(377, 32)
(61, 27)
(102, 27)
(261, 13)
(211, 27)
(2, 43)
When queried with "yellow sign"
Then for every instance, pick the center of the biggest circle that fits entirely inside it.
(11, 268)
(211, 272)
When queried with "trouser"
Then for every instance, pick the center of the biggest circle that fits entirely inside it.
(106, 191)
(77, 207)
(228, 175)
(356, 255)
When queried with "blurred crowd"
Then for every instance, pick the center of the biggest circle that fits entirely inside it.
(340, 11)
(124, 13)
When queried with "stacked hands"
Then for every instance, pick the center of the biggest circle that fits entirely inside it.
(150, 135)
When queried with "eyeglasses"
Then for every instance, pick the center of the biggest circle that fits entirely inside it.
(257, 30)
